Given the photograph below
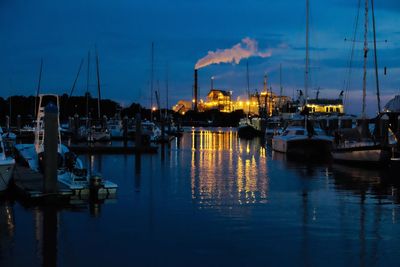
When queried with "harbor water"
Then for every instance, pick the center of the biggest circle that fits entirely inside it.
(212, 199)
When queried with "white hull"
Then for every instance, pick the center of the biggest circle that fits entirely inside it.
(373, 155)
(279, 145)
(99, 136)
(6, 170)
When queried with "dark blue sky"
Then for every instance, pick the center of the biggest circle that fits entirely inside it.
(62, 32)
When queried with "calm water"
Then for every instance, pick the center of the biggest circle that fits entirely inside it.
(210, 199)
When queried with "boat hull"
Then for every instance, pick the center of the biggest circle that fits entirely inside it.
(304, 147)
(6, 170)
(248, 132)
(369, 154)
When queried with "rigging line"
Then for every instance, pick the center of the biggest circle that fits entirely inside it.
(38, 86)
(76, 78)
(87, 85)
(347, 83)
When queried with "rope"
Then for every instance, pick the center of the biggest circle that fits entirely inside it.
(346, 84)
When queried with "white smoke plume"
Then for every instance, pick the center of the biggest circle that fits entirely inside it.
(246, 48)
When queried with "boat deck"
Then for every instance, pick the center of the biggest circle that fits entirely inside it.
(30, 184)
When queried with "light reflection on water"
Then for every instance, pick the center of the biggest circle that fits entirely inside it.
(211, 199)
(222, 176)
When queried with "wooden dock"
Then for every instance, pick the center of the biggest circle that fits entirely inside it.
(29, 184)
(106, 149)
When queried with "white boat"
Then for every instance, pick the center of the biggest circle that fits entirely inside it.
(70, 168)
(115, 128)
(98, 134)
(296, 140)
(360, 151)
(152, 130)
(273, 127)
(301, 138)
(358, 146)
(6, 166)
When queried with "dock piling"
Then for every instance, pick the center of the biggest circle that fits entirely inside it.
(8, 123)
(138, 132)
(125, 130)
(50, 148)
(19, 122)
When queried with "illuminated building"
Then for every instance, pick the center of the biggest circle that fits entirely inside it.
(325, 105)
(219, 100)
(182, 106)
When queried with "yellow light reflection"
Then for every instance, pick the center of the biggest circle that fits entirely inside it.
(226, 170)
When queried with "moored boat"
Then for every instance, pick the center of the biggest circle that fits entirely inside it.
(298, 140)
(6, 166)
(70, 169)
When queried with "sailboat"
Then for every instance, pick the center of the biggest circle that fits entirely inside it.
(6, 165)
(301, 137)
(249, 127)
(358, 145)
(70, 170)
(90, 131)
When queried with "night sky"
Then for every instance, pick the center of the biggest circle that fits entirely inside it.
(62, 33)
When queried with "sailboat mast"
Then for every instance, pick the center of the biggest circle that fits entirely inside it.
(98, 86)
(280, 86)
(248, 85)
(266, 94)
(167, 89)
(365, 60)
(38, 86)
(376, 58)
(87, 85)
(152, 76)
(307, 69)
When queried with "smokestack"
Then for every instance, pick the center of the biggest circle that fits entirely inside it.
(195, 91)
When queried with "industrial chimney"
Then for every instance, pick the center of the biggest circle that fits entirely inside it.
(195, 91)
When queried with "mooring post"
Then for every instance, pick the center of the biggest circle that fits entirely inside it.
(138, 134)
(19, 122)
(8, 124)
(163, 130)
(125, 130)
(104, 124)
(384, 129)
(50, 148)
(76, 125)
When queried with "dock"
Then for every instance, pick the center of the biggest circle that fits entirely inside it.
(106, 149)
(29, 184)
